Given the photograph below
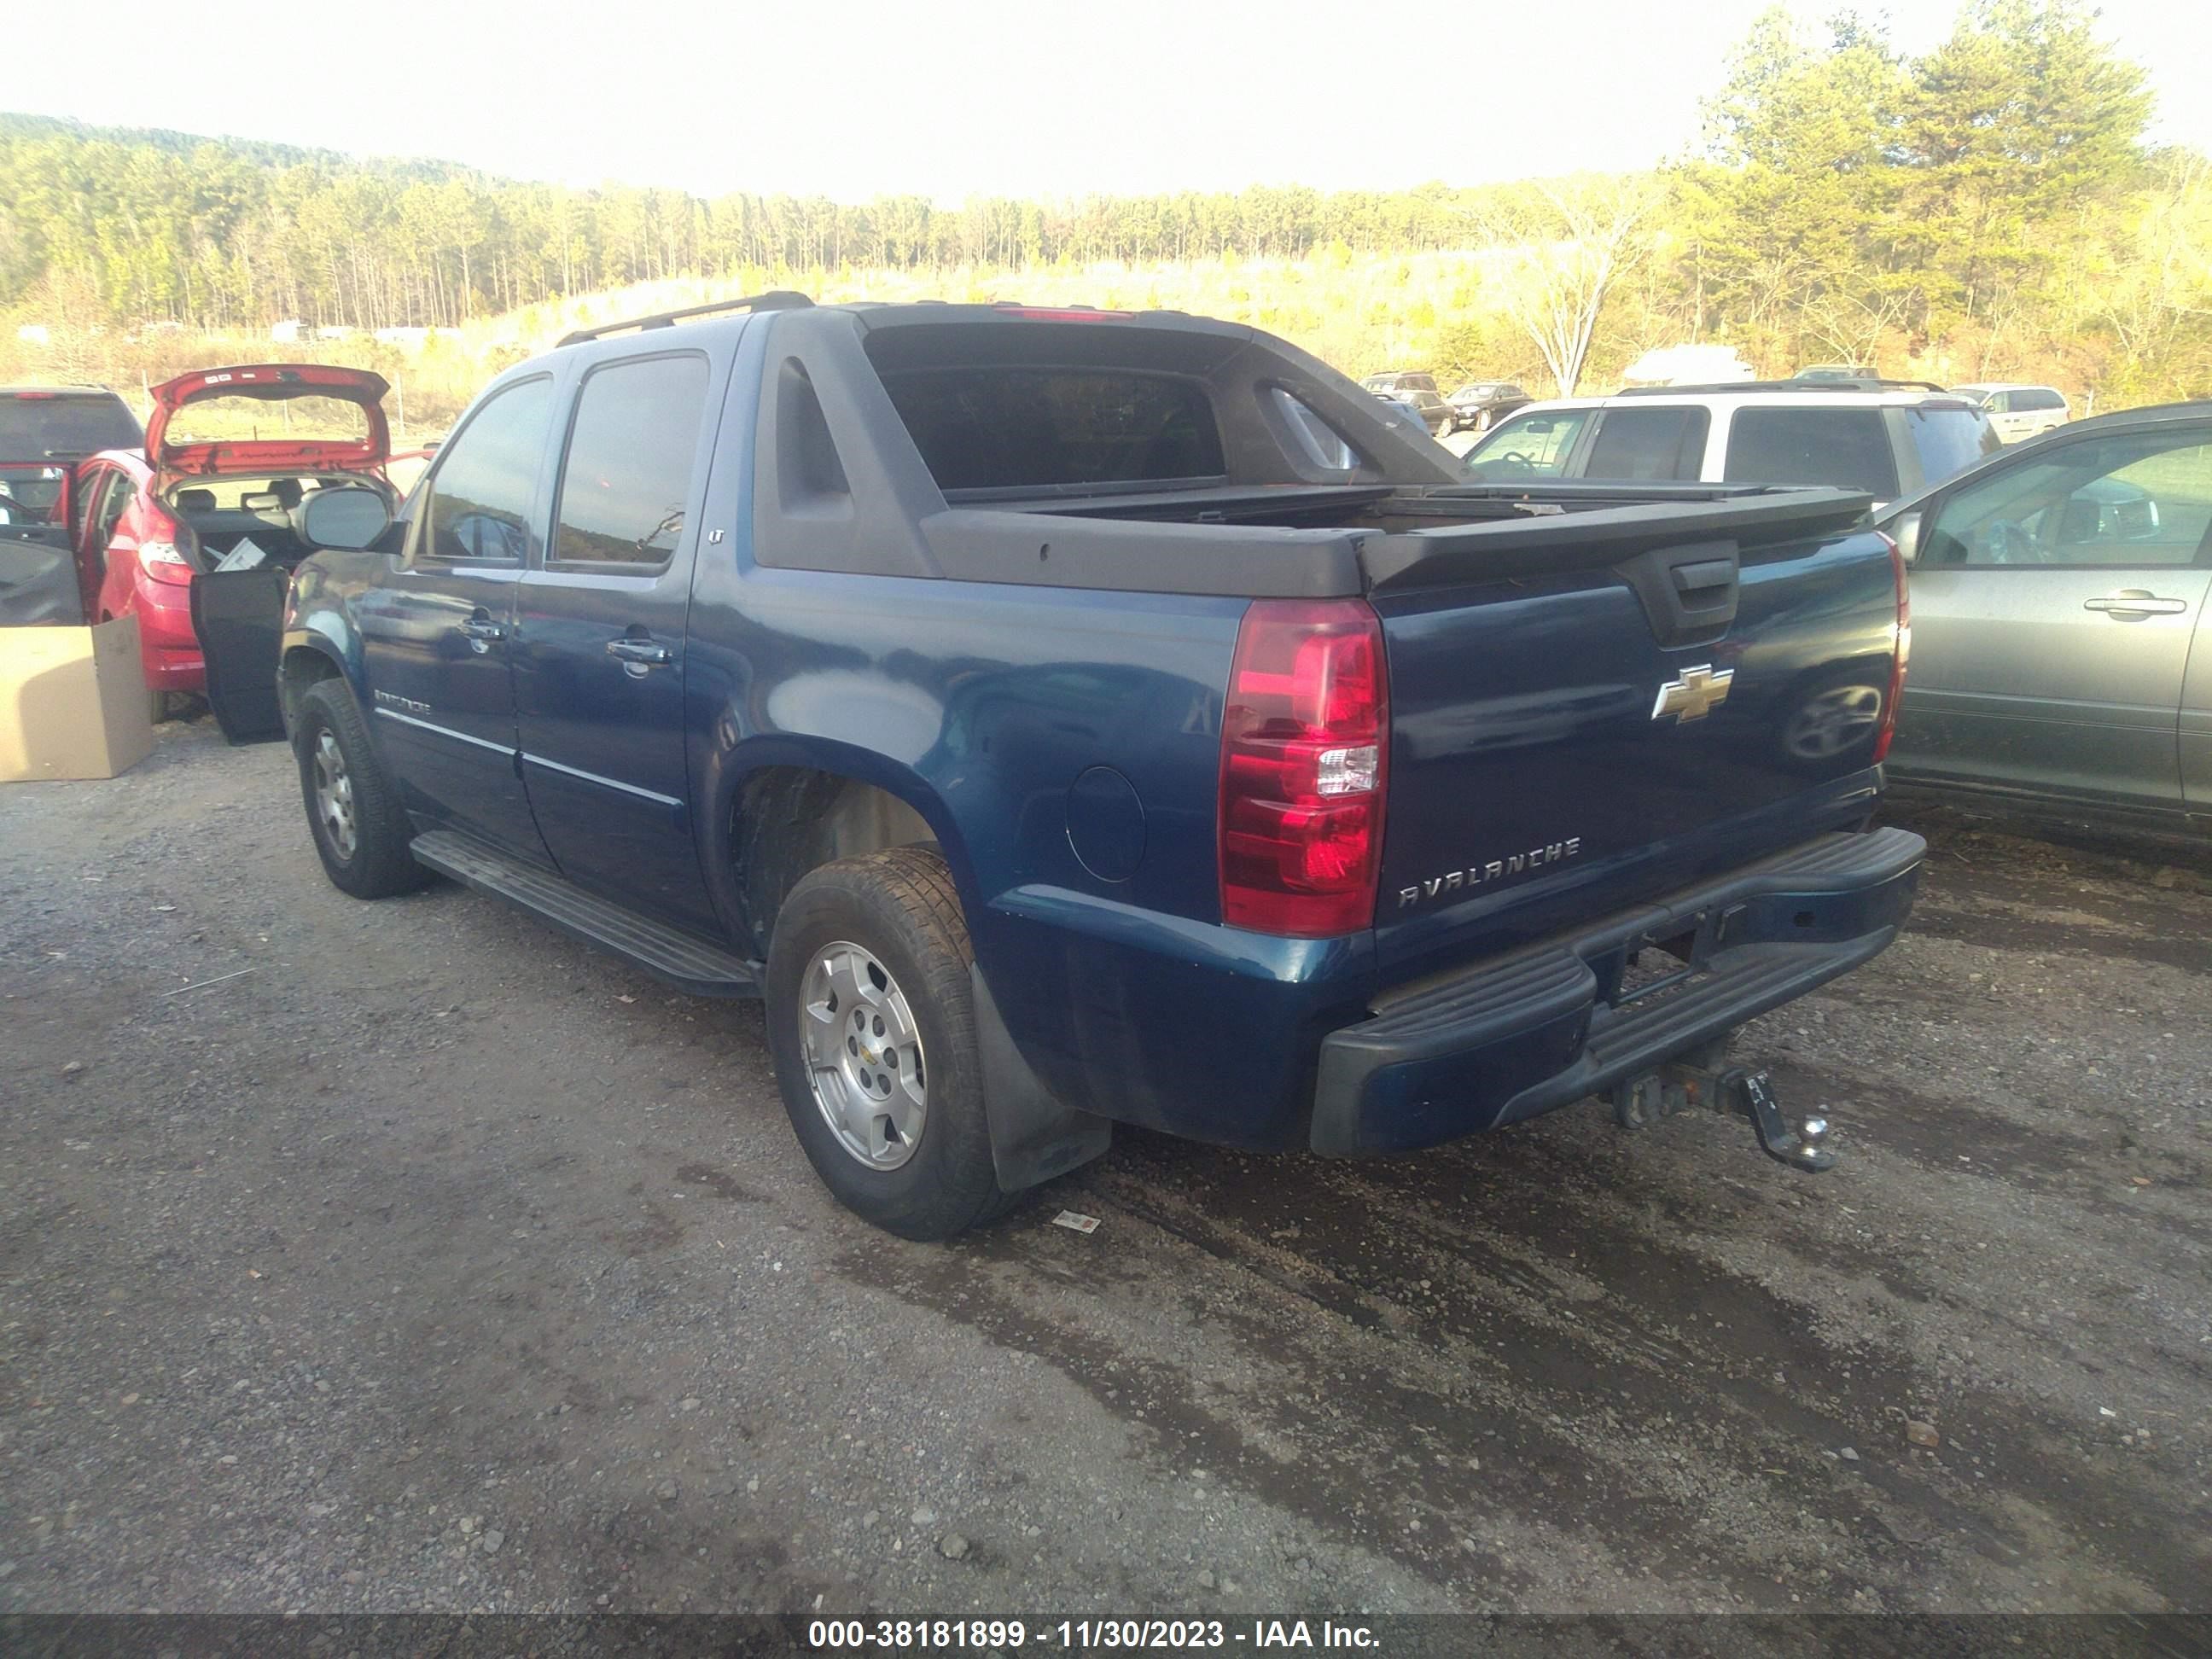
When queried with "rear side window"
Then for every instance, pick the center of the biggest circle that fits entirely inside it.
(1649, 444)
(626, 481)
(2028, 398)
(1847, 448)
(478, 508)
(1024, 428)
(63, 426)
(1949, 441)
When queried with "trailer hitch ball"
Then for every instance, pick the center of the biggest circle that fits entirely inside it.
(1801, 1149)
(1737, 1091)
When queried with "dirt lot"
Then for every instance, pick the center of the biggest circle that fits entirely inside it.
(434, 1262)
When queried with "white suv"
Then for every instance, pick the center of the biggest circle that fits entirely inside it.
(1890, 439)
(2019, 411)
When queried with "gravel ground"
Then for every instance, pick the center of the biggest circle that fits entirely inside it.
(433, 1261)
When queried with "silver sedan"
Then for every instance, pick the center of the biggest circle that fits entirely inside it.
(2060, 654)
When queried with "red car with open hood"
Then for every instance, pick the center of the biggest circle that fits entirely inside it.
(230, 455)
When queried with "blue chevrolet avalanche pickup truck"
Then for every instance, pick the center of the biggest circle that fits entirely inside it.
(1063, 718)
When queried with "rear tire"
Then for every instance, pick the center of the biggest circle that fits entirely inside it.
(872, 1021)
(361, 832)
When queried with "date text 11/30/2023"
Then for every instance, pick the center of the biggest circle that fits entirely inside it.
(1080, 1635)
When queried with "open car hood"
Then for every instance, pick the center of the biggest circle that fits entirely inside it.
(271, 383)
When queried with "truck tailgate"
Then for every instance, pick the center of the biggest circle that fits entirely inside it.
(1593, 708)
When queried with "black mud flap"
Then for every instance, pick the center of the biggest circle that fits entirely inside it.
(239, 615)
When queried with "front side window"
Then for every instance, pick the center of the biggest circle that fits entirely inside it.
(478, 508)
(1645, 444)
(627, 478)
(1845, 448)
(1528, 446)
(2145, 500)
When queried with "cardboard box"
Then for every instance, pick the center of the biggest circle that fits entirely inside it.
(73, 701)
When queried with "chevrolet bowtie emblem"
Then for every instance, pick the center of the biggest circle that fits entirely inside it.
(1694, 695)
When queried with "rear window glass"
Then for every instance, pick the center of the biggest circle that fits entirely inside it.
(1949, 440)
(1649, 444)
(248, 419)
(1847, 448)
(1016, 427)
(34, 427)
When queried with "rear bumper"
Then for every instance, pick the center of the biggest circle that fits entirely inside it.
(1475, 1048)
(167, 646)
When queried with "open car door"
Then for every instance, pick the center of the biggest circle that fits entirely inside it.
(239, 615)
(39, 582)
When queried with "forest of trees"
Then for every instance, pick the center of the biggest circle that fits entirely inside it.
(1991, 207)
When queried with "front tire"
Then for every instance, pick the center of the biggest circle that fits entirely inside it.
(361, 832)
(872, 1021)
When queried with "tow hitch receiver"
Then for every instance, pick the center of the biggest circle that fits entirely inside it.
(1643, 1100)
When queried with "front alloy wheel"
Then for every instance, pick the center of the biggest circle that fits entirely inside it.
(333, 787)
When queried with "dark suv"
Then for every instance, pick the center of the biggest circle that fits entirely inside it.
(43, 429)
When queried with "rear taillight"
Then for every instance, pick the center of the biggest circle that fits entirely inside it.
(162, 554)
(163, 562)
(1303, 750)
(1888, 729)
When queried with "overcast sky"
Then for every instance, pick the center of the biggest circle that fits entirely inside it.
(1022, 97)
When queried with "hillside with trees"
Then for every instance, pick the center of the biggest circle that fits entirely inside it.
(1989, 209)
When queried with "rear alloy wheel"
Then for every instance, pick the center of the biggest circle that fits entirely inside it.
(865, 1062)
(871, 1021)
(361, 832)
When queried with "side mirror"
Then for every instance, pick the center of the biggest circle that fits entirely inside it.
(1905, 532)
(346, 520)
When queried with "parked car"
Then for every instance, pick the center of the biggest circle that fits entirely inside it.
(2019, 411)
(227, 458)
(1889, 440)
(1417, 392)
(1838, 372)
(1016, 699)
(44, 429)
(1481, 404)
(2060, 654)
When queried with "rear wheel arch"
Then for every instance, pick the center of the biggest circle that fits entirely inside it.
(785, 822)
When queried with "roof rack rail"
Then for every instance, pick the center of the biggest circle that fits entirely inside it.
(774, 299)
(1781, 385)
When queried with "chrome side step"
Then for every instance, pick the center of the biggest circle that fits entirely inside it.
(685, 963)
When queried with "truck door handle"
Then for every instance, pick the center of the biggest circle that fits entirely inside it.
(2134, 604)
(642, 652)
(482, 628)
